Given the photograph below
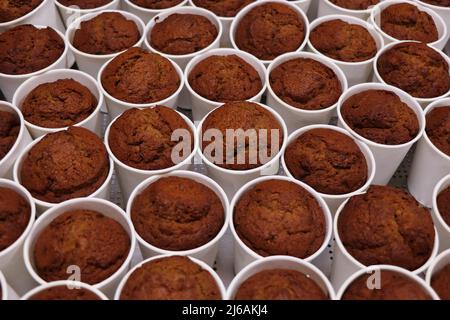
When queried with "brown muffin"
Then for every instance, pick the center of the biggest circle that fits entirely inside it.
(177, 214)
(415, 68)
(355, 4)
(305, 84)
(443, 204)
(440, 3)
(223, 8)
(84, 4)
(327, 160)
(142, 138)
(156, 4)
(9, 130)
(438, 128)
(14, 9)
(343, 41)
(64, 293)
(279, 284)
(405, 21)
(138, 76)
(98, 245)
(243, 116)
(270, 30)
(107, 33)
(224, 79)
(170, 278)
(67, 164)
(36, 50)
(441, 283)
(58, 104)
(15, 212)
(380, 116)
(393, 286)
(278, 217)
(387, 225)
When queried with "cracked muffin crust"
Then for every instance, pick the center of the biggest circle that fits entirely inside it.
(84, 4)
(170, 278)
(277, 217)
(440, 3)
(67, 164)
(225, 78)
(14, 9)
(269, 30)
(176, 213)
(438, 128)
(443, 204)
(9, 131)
(64, 293)
(97, 244)
(156, 4)
(355, 4)
(387, 225)
(223, 8)
(441, 283)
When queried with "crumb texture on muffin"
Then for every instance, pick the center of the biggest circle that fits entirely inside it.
(438, 128)
(223, 8)
(85, 4)
(9, 130)
(64, 293)
(355, 4)
(441, 283)
(14, 9)
(156, 4)
(440, 3)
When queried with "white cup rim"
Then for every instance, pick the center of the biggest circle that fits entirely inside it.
(436, 104)
(348, 11)
(84, 11)
(153, 11)
(432, 268)
(24, 17)
(3, 287)
(436, 191)
(59, 283)
(22, 129)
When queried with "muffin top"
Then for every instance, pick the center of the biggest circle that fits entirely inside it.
(441, 3)
(405, 21)
(343, 41)
(36, 50)
(14, 9)
(223, 8)
(107, 33)
(15, 212)
(279, 284)
(438, 128)
(327, 160)
(443, 204)
(393, 286)
(355, 4)
(9, 130)
(380, 116)
(58, 104)
(225, 78)
(67, 164)
(305, 84)
(387, 225)
(64, 293)
(84, 4)
(176, 213)
(278, 217)
(415, 68)
(441, 283)
(183, 34)
(269, 30)
(98, 245)
(156, 4)
(257, 138)
(171, 278)
(138, 76)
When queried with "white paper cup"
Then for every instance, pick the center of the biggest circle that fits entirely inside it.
(302, 4)
(69, 14)
(334, 200)
(10, 82)
(248, 8)
(344, 264)
(281, 262)
(199, 262)
(382, 267)
(23, 139)
(326, 7)
(202, 106)
(387, 157)
(440, 262)
(7, 292)
(294, 117)
(429, 164)
(313, 10)
(146, 14)
(444, 12)
(130, 177)
(356, 72)
(442, 227)
(74, 285)
(103, 192)
(232, 180)
(108, 209)
(93, 122)
(244, 255)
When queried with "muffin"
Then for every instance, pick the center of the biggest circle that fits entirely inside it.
(98, 245)
(262, 142)
(393, 286)
(415, 68)
(305, 84)
(15, 213)
(355, 4)
(142, 138)
(64, 293)
(278, 217)
(405, 21)
(225, 79)
(180, 34)
(9, 130)
(36, 50)
(327, 160)
(109, 32)
(140, 77)
(84, 4)
(67, 164)
(156, 4)
(440, 3)
(387, 225)
(381, 117)
(269, 30)
(441, 283)
(58, 104)
(14, 9)
(223, 8)
(279, 284)
(438, 128)
(170, 278)
(443, 204)
(343, 41)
